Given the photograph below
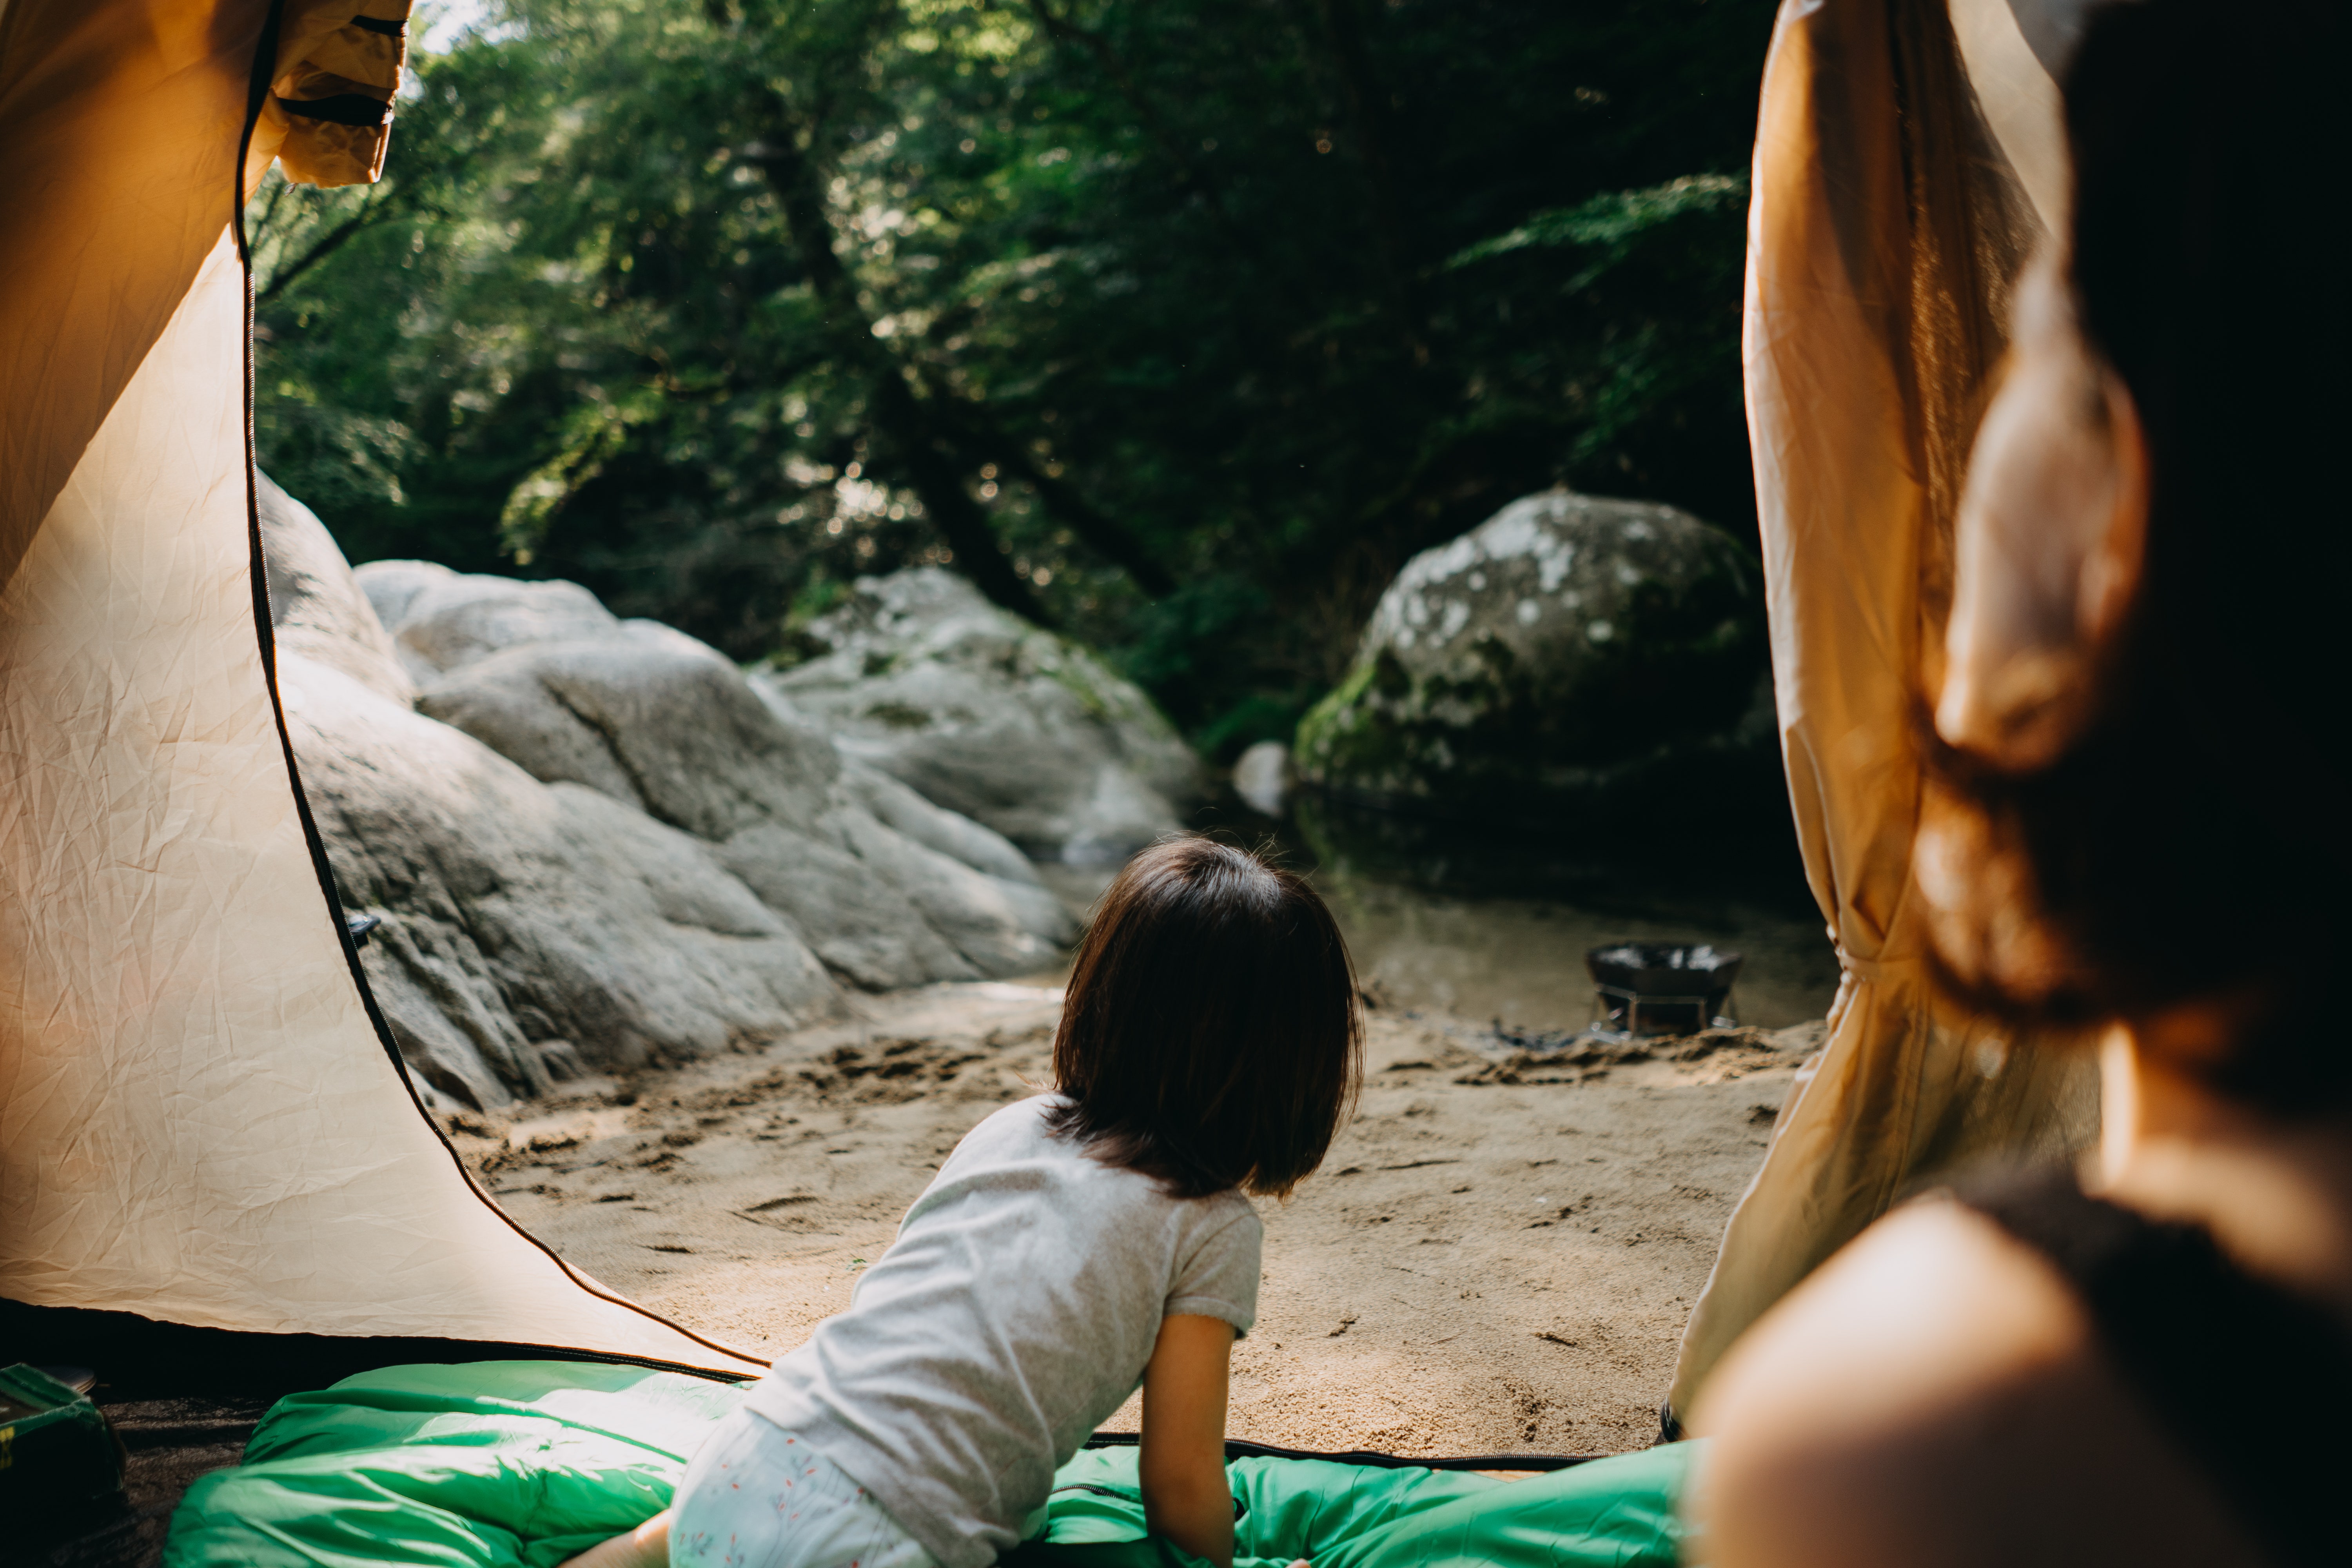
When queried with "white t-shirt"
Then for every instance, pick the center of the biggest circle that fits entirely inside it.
(1013, 1314)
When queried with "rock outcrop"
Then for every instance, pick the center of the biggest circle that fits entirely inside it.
(1262, 777)
(529, 928)
(317, 608)
(443, 620)
(665, 724)
(987, 716)
(1563, 652)
(590, 842)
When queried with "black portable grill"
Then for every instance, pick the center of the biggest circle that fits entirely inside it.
(1661, 988)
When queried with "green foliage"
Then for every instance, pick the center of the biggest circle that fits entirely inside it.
(1178, 325)
(1613, 223)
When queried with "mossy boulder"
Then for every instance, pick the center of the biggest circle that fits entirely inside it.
(1564, 649)
(981, 713)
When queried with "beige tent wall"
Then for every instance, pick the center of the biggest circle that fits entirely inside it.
(1906, 160)
(113, 114)
(199, 1120)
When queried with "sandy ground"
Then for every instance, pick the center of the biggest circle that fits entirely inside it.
(1497, 1256)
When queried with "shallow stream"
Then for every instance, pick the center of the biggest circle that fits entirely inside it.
(1486, 930)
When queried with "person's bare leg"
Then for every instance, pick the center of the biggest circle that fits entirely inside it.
(647, 1546)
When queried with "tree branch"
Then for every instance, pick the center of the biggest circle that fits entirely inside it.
(983, 438)
(371, 212)
(898, 416)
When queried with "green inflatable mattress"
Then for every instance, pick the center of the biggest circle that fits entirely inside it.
(523, 1464)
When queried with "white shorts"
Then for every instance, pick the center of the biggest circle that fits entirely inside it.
(758, 1497)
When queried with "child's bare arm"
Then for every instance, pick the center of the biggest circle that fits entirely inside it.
(1185, 1496)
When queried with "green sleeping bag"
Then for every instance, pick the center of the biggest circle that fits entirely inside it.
(507, 1464)
(1619, 1512)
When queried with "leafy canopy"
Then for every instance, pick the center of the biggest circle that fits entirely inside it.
(1179, 325)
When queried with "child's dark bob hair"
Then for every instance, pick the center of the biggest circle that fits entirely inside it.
(1212, 1036)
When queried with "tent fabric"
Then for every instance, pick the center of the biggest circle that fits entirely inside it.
(326, 117)
(521, 1464)
(201, 1120)
(1908, 156)
(121, 121)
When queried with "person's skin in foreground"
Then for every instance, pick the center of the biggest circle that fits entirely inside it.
(1073, 1246)
(2142, 832)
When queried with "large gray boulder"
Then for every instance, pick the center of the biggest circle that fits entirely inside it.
(648, 716)
(596, 846)
(529, 928)
(665, 724)
(545, 676)
(1565, 647)
(990, 718)
(443, 619)
(317, 608)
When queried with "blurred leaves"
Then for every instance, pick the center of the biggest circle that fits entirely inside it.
(1613, 223)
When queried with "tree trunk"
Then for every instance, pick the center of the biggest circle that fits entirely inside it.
(984, 439)
(909, 432)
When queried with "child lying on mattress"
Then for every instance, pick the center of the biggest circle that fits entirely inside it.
(1073, 1246)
